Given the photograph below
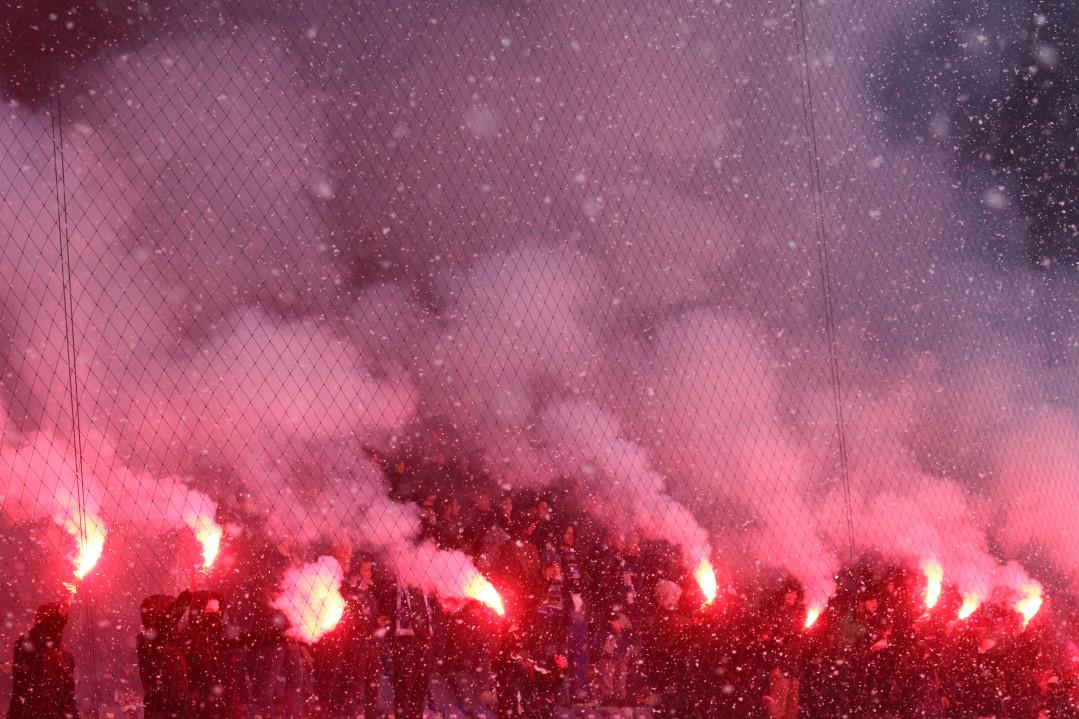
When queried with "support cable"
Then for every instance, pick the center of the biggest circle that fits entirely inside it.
(808, 118)
(64, 237)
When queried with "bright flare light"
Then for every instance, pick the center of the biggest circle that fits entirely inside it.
(483, 591)
(812, 615)
(706, 579)
(934, 577)
(210, 539)
(1031, 602)
(89, 533)
(971, 602)
(311, 599)
(208, 533)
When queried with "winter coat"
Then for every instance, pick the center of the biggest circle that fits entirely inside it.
(212, 670)
(43, 671)
(162, 664)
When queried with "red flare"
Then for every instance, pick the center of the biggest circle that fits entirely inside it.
(934, 577)
(89, 533)
(1030, 603)
(971, 602)
(706, 579)
(208, 533)
(483, 591)
(812, 615)
(210, 539)
(311, 599)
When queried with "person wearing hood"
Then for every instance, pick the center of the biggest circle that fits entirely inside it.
(210, 660)
(43, 669)
(162, 664)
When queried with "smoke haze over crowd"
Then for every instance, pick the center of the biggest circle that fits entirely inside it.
(562, 242)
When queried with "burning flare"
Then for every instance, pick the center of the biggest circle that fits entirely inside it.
(208, 533)
(812, 615)
(478, 588)
(706, 579)
(311, 599)
(89, 533)
(971, 602)
(934, 577)
(1031, 602)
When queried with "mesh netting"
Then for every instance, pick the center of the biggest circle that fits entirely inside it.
(320, 282)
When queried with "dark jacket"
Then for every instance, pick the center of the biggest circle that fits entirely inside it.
(43, 670)
(162, 665)
(341, 655)
(212, 670)
(517, 576)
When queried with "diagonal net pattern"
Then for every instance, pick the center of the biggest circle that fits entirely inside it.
(316, 281)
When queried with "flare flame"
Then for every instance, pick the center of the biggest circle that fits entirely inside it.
(478, 588)
(89, 533)
(1031, 603)
(706, 579)
(934, 577)
(971, 602)
(208, 533)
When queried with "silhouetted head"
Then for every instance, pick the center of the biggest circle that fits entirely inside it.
(154, 611)
(49, 621)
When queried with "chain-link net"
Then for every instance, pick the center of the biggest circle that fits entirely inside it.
(289, 289)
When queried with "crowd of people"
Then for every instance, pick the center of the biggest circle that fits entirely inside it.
(596, 621)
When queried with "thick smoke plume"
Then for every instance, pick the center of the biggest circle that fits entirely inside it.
(619, 473)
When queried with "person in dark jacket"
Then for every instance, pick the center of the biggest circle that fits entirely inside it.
(348, 660)
(577, 684)
(545, 641)
(665, 650)
(518, 578)
(516, 571)
(212, 671)
(410, 631)
(43, 670)
(162, 664)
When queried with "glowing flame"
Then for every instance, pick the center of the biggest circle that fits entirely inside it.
(934, 577)
(89, 533)
(706, 579)
(311, 599)
(208, 533)
(971, 602)
(812, 615)
(1031, 602)
(481, 590)
(210, 539)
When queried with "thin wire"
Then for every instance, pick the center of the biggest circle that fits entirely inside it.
(64, 233)
(826, 282)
